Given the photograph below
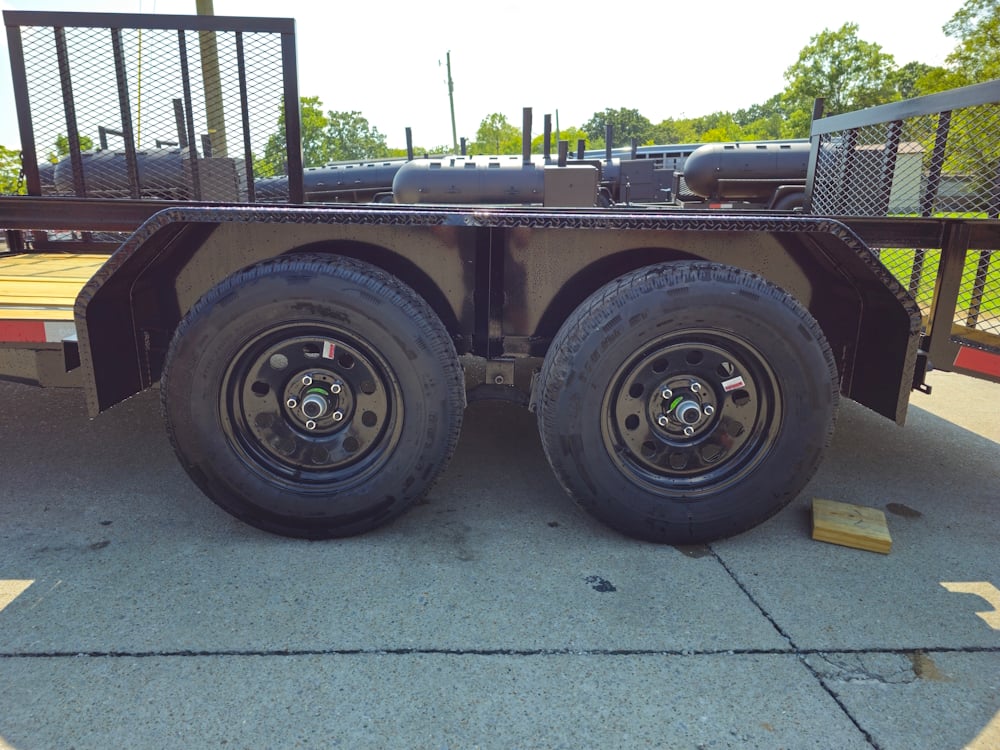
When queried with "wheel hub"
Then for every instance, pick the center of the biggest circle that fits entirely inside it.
(696, 409)
(682, 406)
(318, 400)
(311, 405)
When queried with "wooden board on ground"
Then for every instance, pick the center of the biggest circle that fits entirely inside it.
(850, 525)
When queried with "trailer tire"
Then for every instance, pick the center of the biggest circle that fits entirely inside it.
(686, 402)
(313, 396)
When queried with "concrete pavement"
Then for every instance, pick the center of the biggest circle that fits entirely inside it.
(494, 614)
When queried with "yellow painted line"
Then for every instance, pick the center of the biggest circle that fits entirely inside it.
(984, 590)
(10, 589)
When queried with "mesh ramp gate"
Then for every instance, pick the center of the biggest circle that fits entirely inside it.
(936, 156)
(180, 108)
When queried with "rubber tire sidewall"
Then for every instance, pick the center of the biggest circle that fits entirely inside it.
(377, 310)
(624, 317)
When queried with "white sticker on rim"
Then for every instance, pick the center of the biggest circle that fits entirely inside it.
(733, 383)
(328, 349)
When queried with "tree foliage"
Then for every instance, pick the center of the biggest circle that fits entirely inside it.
(326, 137)
(10, 172)
(976, 59)
(496, 136)
(847, 72)
(626, 124)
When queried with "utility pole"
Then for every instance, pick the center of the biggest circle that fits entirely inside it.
(212, 82)
(451, 100)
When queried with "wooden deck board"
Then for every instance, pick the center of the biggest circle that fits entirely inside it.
(44, 286)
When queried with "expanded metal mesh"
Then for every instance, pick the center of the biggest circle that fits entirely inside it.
(154, 113)
(943, 164)
(978, 303)
(916, 270)
(979, 292)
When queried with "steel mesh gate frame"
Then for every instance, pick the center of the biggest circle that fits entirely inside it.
(935, 156)
(140, 106)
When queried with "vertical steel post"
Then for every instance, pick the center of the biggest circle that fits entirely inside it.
(131, 162)
(189, 116)
(929, 197)
(293, 121)
(893, 136)
(241, 70)
(19, 77)
(72, 134)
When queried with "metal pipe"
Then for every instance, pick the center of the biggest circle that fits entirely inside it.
(547, 152)
(526, 136)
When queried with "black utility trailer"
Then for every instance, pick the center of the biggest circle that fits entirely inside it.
(314, 361)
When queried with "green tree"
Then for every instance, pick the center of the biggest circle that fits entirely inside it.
(675, 131)
(571, 135)
(62, 146)
(848, 72)
(906, 80)
(326, 137)
(626, 124)
(761, 122)
(496, 136)
(10, 172)
(348, 135)
(976, 59)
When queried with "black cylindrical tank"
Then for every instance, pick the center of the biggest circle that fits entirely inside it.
(105, 173)
(747, 170)
(471, 179)
(343, 181)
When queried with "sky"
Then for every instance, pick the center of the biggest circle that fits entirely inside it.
(386, 58)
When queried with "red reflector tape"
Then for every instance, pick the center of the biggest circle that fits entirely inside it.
(22, 330)
(978, 361)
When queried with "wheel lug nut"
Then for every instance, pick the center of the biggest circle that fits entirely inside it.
(307, 380)
(708, 410)
(662, 420)
(689, 431)
(291, 403)
(311, 424)
(335, 388)
(337, 415)
(695, 387)
(666, 393)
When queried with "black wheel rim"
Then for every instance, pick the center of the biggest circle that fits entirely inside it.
(311, 405)
(692, 413)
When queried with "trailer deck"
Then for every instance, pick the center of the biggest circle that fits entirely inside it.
(44, 286)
